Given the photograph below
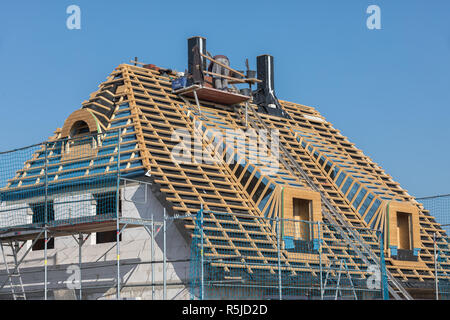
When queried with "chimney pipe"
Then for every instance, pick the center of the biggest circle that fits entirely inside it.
(265, 96)
(264, 67)
(201, 43)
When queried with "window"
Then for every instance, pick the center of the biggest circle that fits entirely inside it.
(81, 144)
(301, 210)
(39, 217)
(106, 205)
(79, 128)
(404, 230)
(107, 237)
(302, 213)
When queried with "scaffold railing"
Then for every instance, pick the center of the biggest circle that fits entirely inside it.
(54, 188)
(60, 182)
(69, 183)
(302, 260)
(439, 207)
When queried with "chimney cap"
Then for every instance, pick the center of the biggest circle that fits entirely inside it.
(265, 55)
(196, 37)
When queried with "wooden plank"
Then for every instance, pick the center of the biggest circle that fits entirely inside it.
(213, 95)
(222, 65)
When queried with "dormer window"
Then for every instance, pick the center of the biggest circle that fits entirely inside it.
(404, 231)
(80, 123)
(79, 129)
(302, 210)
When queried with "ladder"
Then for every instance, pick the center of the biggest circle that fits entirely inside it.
(342, 226)
(14, 277)
(343, 268)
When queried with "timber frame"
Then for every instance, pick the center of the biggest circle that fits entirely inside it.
(139, 101)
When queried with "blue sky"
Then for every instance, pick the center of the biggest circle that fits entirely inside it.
(387, 90)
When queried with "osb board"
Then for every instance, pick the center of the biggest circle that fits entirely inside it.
(405, 207)
(84, 151)
(307, 257)
(218, 96)
(409, 264)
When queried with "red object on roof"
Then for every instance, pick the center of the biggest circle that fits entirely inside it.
(151, 66)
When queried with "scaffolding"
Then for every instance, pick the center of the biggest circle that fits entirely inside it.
(439, 207)
(67, 187)
(76, 187)
(304, 260)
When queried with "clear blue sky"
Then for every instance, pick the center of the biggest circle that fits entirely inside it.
(387, 90)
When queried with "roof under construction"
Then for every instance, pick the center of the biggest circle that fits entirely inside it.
(311, 161)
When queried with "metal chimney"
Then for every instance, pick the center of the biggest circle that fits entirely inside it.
(201, 43)
(265, 96)
(264, 65)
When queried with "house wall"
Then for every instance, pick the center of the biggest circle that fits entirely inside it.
(99, 260)
(15, 214)
(74, 206)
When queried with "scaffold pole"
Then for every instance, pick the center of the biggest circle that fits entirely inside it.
(436, 280)
(164, 257)
(152, 253)
(117, 216)
(80, 244)
(202, 255)
(280, 293)
(45, 222)
(320, 260)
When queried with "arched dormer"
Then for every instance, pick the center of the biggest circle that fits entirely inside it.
(81, 121)
(80, 134)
